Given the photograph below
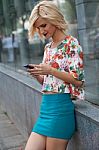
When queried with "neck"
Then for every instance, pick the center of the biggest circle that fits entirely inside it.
(58, 36)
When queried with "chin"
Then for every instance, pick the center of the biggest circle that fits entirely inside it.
(48, 37)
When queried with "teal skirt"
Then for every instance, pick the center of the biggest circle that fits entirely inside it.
(56, 118)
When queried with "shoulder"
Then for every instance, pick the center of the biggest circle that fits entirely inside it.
(71, 40)
(73, 44)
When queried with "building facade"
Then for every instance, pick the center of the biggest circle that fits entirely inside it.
(20, 94)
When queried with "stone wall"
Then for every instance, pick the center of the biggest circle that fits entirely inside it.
(20, 97)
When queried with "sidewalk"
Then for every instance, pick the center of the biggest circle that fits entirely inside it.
(10, 137)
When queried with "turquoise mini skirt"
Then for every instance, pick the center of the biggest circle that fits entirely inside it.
(56, 118)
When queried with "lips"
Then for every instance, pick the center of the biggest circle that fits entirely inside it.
(45, 34)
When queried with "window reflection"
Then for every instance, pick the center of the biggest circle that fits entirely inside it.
(16, 50)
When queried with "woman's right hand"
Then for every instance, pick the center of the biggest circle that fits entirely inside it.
(35, 76)
(31, 70)
(32, 74)
(38, 77)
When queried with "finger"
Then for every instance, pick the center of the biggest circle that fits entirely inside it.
(36, 73)
(34, 69)
(30, 70)
(37, 66)
(35, 76)
(32, 65)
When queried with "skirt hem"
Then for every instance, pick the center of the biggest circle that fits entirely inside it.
(52, 136)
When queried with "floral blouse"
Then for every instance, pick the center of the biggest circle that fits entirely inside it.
(66, 57)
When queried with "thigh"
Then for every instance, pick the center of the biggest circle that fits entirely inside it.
(56, 144)
(36, 142)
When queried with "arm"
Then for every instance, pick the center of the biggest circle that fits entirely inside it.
(40, 79)
(44, 69)
(65, 76)
(74, 73)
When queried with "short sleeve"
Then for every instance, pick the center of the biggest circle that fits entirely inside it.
(75, 59)
(74, 55)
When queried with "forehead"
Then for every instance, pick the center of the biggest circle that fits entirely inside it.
(39, 22)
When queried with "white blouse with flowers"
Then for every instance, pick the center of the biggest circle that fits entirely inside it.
(66, 57)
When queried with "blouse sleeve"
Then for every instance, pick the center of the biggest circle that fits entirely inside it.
(75, 67)
(75, 59)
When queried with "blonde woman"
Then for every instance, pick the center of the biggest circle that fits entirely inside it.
(61, 76)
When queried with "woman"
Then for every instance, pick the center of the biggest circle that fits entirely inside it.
(61, 76)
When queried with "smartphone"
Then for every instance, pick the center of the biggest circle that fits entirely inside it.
(28, 66)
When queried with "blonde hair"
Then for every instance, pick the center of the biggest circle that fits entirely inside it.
(49, 11)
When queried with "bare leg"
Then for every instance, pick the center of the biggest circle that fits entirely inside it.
(56, 144)
(36, 142)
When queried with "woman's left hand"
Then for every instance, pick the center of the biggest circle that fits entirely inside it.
(41, 69)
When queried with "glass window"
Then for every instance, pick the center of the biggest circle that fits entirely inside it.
(16, 50)
(92, 51)
(68, 9)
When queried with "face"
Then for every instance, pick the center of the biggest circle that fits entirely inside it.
(45, 28)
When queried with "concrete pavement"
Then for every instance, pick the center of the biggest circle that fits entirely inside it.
(10, 137)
